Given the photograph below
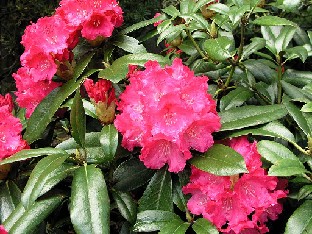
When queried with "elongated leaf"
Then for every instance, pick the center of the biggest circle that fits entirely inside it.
(129, 44)
(284, 37)
(274, 152)
(126, 205)
(171, 32)
(82, 64)
(176, 227)
(218, 49)
(297, 78)
(296, 93)
(109, 140)
(201, 3)
(39, 176)
(307, 107)
(220, 160)
(10, 197)
(172, 11)
(255, 45)
(31, 153)
(118, 70)
(297, 52)
(235, 98)
(203, 226)
(287, 167)
(14, 216)
(131, 174)
(78, 120)
(245, 116)
(29, 219)
(297, 115)
(270, 20)
(300, 222)
(273, 129)
(261, 70)
(44, 112)
(186, 6)
(89, 204)
(220, 8)
(198, 18)
(158, 194)
(153, 220)
(177, 195)
(305, 191)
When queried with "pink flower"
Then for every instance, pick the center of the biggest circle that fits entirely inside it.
(2, 230)
(10, 129)
(102, 94)
(158, 22)
(238, 203)
(166, 111)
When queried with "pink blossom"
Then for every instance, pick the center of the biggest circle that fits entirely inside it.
(238, 203)
(166, 111)
(2, 230)
(10, 129)
(158, 22)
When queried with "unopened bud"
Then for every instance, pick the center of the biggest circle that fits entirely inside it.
(213, 30)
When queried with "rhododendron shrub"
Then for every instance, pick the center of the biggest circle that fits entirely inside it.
(109, 133)
(167, 111)
(237, 203)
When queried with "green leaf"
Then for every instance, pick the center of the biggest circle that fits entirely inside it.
(78, 120)
(270, 20)
(220, 8)
(272, 129)
(142, 24)
(129, 44)
(220, 160)
(82, 64)
(198, 18)
(176, 227)
(131, 174)
(177, 196)
(158, 194)
(119, 68)
(298, 78)
(261, 70)
(218, 49)
(237, 13)
(274, 152)
(31, 153)
(235, 98)
(300, 222)
(88, 106)
(44, 112)
(203, 226)
(10, 197)
(26, 221)
(284, 37)
(126, 205)
(171, 32)
(305, 191)
(297, 52)
(295, 93)
(100, 147)
(89, 204)
(246, 116)
(307, 107)
(186, 6)
(39, 176)
(153, 220)
(201, 3)
(297, 115)
(172, 11)
(255, 45)
(287, 167)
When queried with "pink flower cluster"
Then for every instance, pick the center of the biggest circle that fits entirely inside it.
(10, 129)
(167, 111)
(49, 43)
(238, 203)
(2, 230)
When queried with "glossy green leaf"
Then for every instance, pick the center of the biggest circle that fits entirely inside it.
(131, 174)
(237, 13)
(89, 203)
(297, 78)
(171, 32)
(287, 167)
(201, 3)
(273, 129)
(246, 116)
(186, 6)
(158, 193)
(88, 106)
(44, 112)
(284, 37)
(270, 20)
(261, 70)
(300, 222)
(218, 49)
(295, 93)
(99, 146)
(235, 98)
(82, 64)
(119, 68)
(154, 220)
(129, 44)
(220, 160)
(172, 11)
(176, 227)
(307, 107)
(305, 191)
(255, 45)
(297, 52)
(203, 226)
(220, 8)
(297, 115)
(198, 18)
(126, 205)
(177, 196)
(26, 221)
(78, 120)
(31, 153)
(109, 140)
(39, 176)
(10, 197)
(274, 152)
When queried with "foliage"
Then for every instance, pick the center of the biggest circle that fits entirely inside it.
(78, 178)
